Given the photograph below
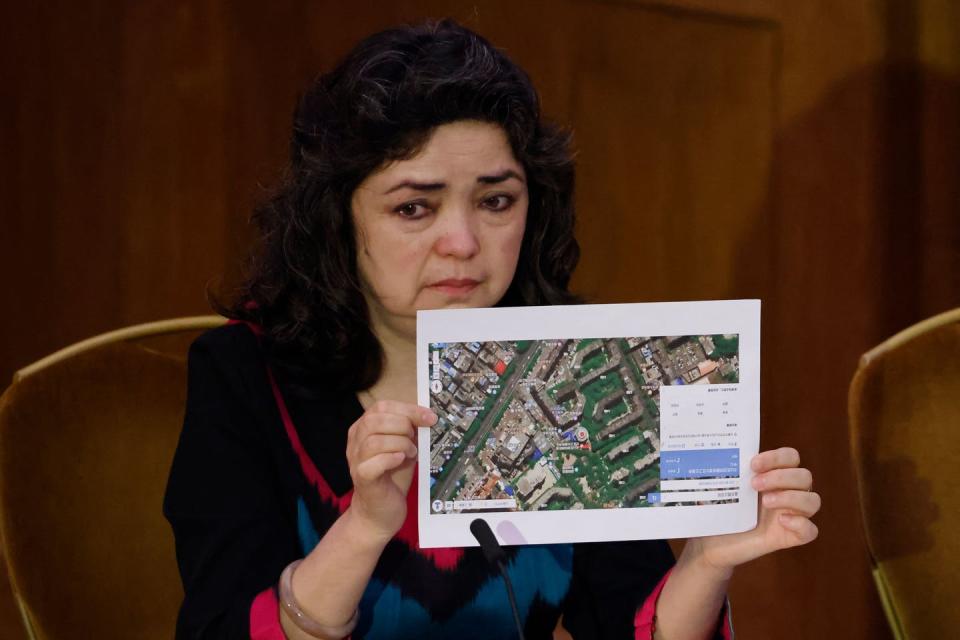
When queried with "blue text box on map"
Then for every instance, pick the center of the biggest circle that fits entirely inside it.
(702, 463)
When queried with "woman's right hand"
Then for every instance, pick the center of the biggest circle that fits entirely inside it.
(381, 453)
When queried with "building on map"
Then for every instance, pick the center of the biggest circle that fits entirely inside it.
(703, 368)
(619, 474)
(546, 405)
(612, 364)
(488, 485)
(607, 402)
(464, 362)
(707, 343)
(531, 481)
(647, 460)
(728, 370)
(511, 452)
(567, 391)
(548, 496)
(587, 352)
(641, 490)
(623, 448)
(438, 459)
(621, 422)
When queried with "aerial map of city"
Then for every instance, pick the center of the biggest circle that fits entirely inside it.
(565, 424)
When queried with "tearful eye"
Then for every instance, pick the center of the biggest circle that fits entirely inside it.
(411, 210)
(499, 202)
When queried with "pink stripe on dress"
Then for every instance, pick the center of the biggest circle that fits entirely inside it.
(645, 620)
(306, 463)
(265, 617)
(446, 559)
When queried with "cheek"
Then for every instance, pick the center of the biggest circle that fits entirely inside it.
(513, 242)
(394, 264)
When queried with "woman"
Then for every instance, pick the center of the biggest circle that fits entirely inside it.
(421, 177)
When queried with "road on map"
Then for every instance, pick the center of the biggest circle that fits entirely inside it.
(504, 396)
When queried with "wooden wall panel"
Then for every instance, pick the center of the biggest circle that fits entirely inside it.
(676, 144)
(805, 153)
(113, 154)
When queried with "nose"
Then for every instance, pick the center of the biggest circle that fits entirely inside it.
(458, 238)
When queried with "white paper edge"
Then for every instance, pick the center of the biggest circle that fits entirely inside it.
(595, 321)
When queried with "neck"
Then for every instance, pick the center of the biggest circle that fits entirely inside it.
(398, 381)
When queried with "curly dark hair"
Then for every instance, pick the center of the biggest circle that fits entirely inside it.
(381, 103)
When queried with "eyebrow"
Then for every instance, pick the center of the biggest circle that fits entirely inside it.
(437, 186)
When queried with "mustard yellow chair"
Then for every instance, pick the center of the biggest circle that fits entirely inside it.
(86, 438)
(904, 408)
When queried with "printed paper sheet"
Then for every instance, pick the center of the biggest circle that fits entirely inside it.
(589, 422)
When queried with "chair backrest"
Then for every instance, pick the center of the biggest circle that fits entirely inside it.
(905, 434)
(86, 440)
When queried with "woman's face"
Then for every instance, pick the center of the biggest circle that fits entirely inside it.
(441, 229)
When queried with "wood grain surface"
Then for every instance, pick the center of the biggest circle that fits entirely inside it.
(803, 153)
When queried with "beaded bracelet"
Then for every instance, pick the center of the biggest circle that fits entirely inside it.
(302, 620)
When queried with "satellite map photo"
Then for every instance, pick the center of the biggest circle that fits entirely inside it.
(565, 424)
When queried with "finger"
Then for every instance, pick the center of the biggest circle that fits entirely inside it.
(372, 468)
(805, 530)
(775, 459)
(778, 479)
(379, 443)
(804, 503)
(376, 423)
(414, 413)
(384, 423)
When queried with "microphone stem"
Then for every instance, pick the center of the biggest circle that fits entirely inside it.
(511, 597)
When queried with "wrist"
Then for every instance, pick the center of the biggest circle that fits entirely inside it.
(695, 558)
(365, 532)
(291, 607)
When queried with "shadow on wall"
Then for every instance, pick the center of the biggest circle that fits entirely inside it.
(863, 219)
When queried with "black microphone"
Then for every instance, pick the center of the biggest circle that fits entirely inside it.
(494, 554)
(488, 542)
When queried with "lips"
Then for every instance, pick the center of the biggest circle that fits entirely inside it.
(455, 286)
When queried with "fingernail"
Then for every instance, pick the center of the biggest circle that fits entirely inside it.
(755, 463)
(757, 482)
(769, 499)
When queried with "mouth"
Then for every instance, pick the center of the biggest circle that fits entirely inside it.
(455, 286)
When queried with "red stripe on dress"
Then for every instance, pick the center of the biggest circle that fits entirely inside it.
(255, 329)
(306, 463)
(265, 617)
(727, 629)
(444, 558)
(645, 620)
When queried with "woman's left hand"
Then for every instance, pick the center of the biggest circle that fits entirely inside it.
(787, 502)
